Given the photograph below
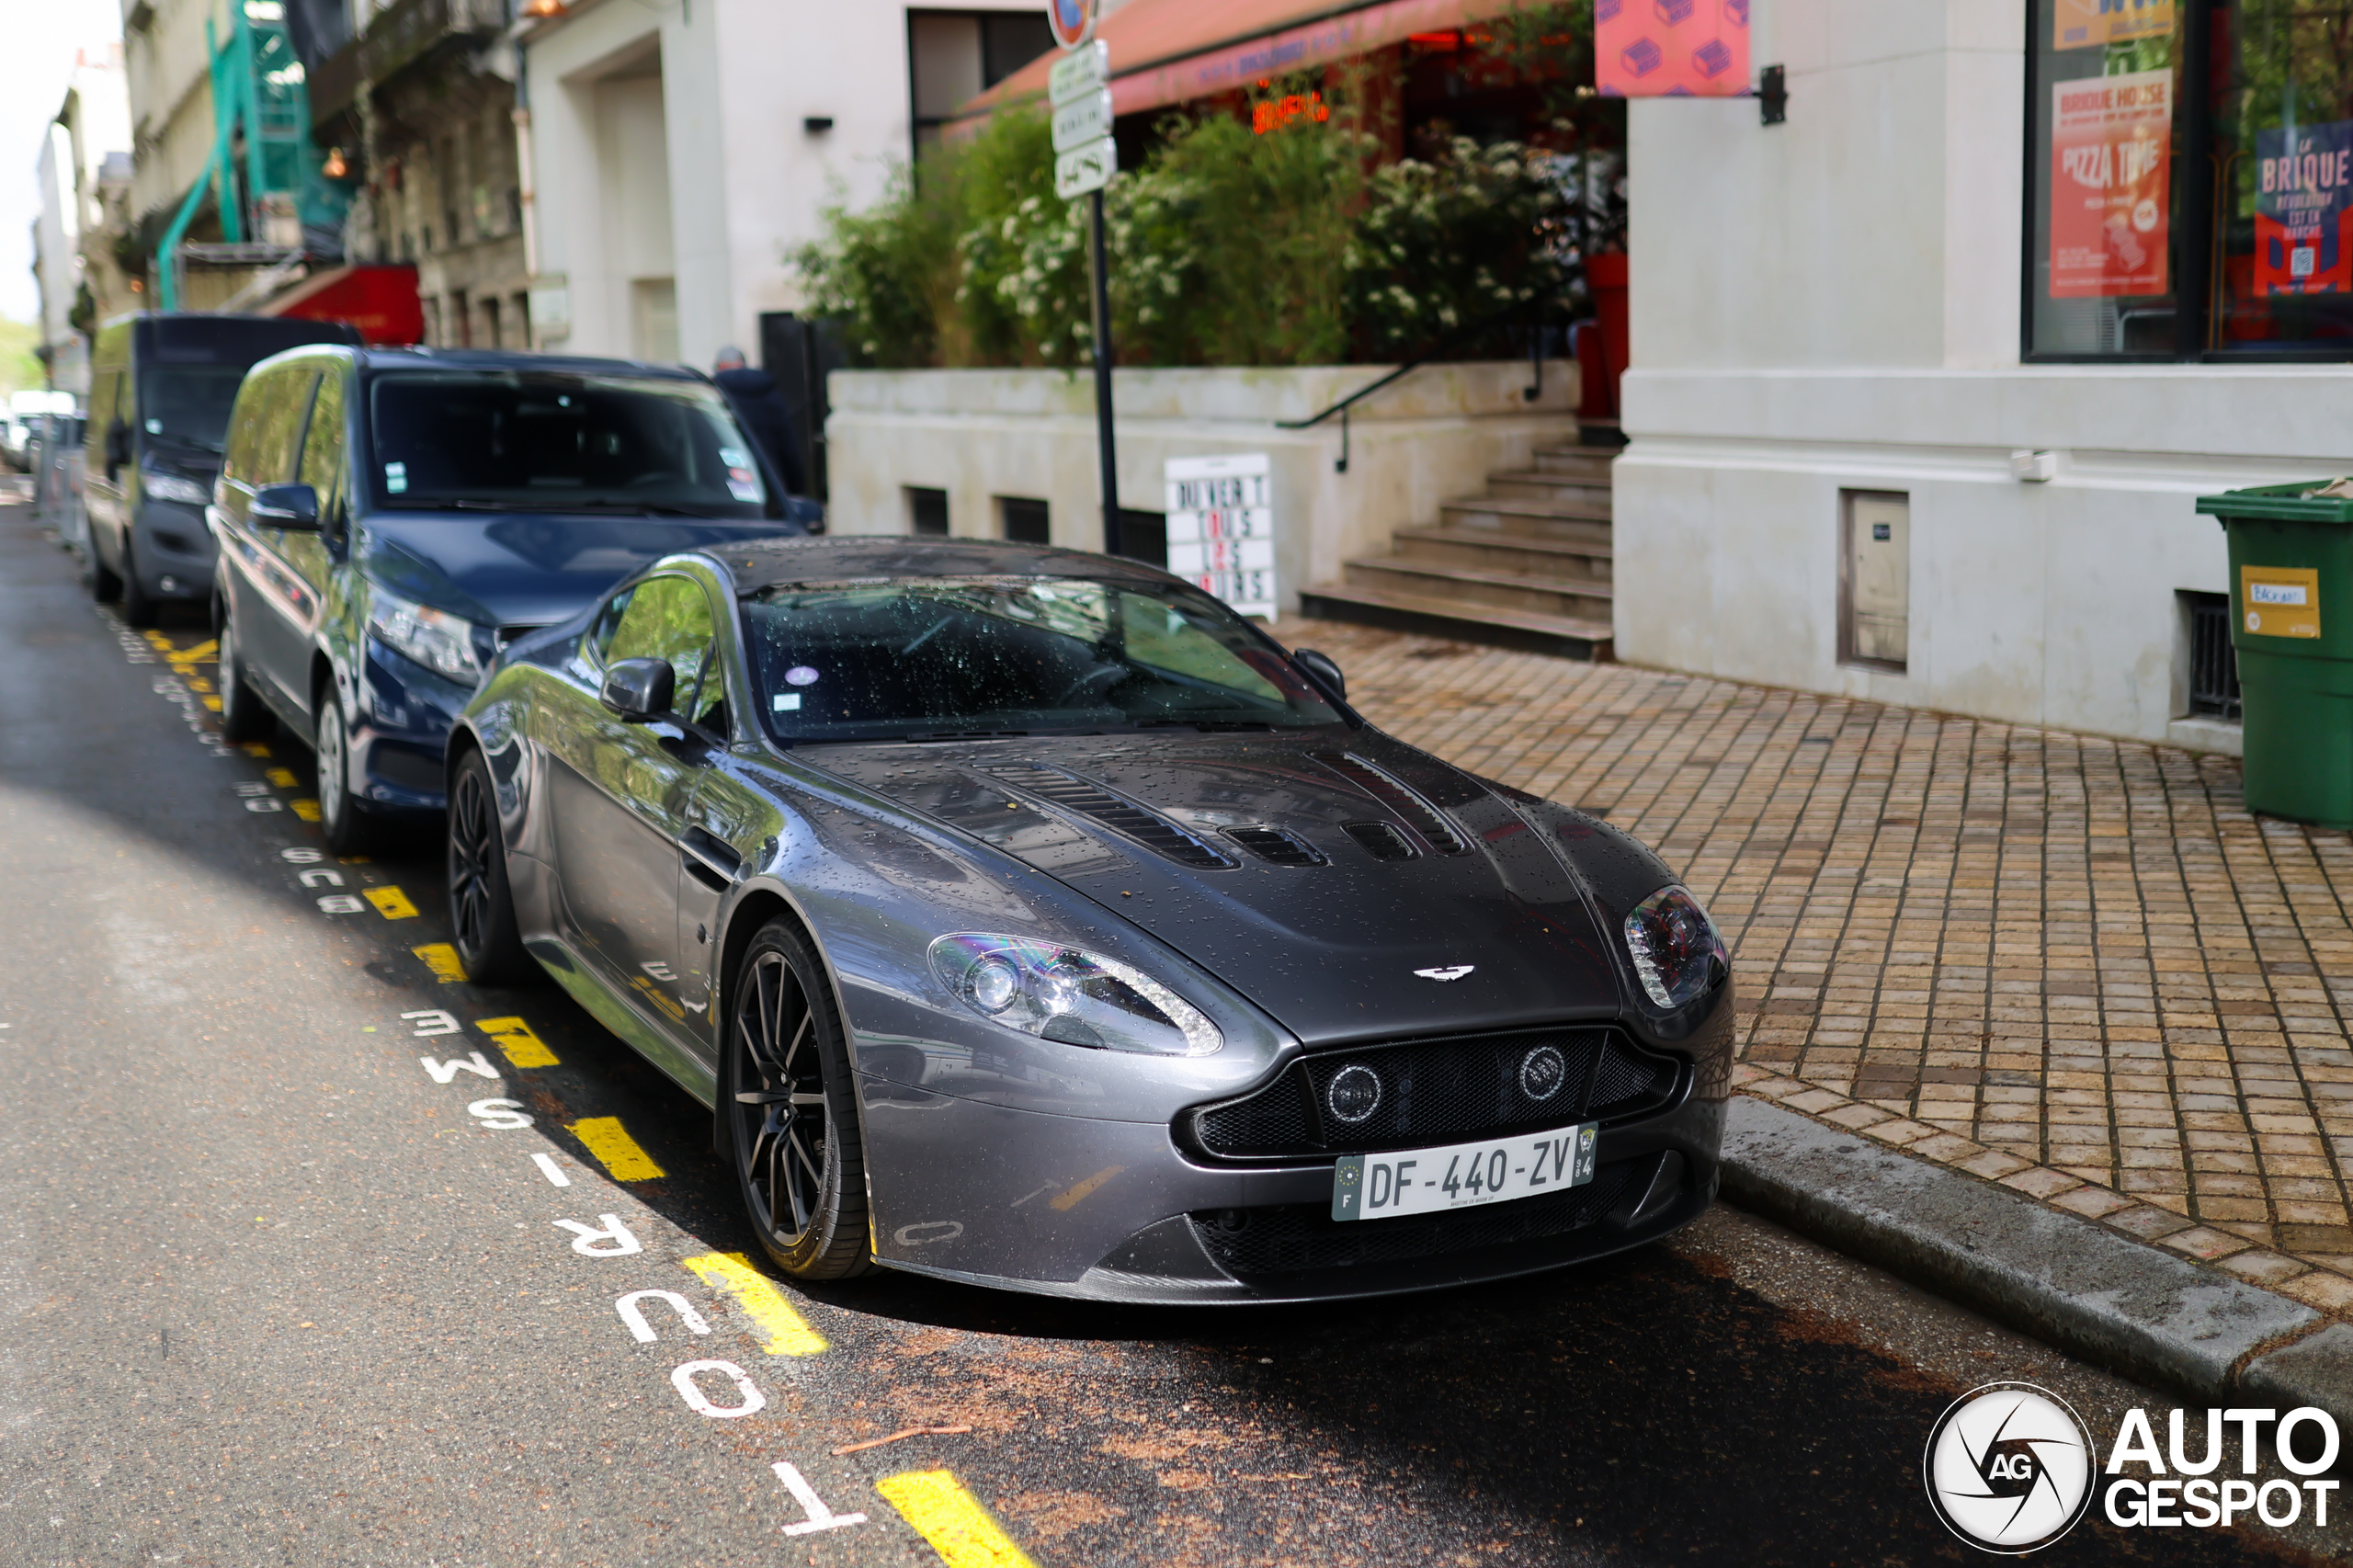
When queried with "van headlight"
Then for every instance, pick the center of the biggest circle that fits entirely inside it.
(1677, 952)
(1070, 996)
(161, 486)
(442, 642)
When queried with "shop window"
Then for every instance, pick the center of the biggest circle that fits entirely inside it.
(926, 512)
(1023, 522)
(2189, 180)
(1143, 536)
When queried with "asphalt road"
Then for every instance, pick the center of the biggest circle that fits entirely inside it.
(273, 1290)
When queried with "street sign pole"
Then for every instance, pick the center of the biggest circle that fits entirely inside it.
(1086, 159)
(1102, 383)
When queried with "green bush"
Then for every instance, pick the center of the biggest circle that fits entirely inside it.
(1228, 247)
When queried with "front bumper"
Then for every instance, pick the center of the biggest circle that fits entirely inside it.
(1114, 1210)
(174, 551)
(406, 712)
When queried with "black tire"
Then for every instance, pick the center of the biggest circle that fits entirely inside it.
(342, 822)
(789, 1113)
(243, 716)
(482, 909)
(138, 609)
(104, 585)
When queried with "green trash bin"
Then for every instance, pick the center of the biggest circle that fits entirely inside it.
(2291, 621)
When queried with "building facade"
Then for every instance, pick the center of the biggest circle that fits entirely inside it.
(1926, 380)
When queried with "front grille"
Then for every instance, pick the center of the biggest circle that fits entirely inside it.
(1433, 1090)
(1296, 1238)
(1277, 847)
(1425, 817)
(1149, 829)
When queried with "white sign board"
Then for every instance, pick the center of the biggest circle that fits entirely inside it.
(1222, 528)
(1086, 169)
(1079, 73)
(1082, 119)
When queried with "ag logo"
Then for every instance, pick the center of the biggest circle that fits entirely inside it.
(2009, 1467)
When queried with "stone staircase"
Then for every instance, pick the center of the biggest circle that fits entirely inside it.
(1526, 565)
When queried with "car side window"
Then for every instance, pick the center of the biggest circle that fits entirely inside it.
(320, 467)
(669, 618)
(263, 430)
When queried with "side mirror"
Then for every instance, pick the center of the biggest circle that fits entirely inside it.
(294, 506)
(1324, 669)
(640, 690)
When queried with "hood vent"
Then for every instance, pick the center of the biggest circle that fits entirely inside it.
(1384, 841)
(1424, 816)
(1098, 804)
(1277, 847)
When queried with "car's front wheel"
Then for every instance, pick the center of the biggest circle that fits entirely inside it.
(482, 909)
(243, 716)
(789, 1112)
(344, 826)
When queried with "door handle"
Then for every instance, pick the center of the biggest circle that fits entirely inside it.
(709, 860)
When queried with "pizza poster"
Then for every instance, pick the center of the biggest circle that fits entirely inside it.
(2079, 24)
(2110, 158)
(1671, 49)
(2302, 174)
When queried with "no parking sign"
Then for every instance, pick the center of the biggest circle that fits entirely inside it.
(1073, 21)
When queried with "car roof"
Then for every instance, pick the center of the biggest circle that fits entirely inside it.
(772, 562)
(424, 358)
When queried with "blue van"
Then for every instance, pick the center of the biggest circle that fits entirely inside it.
(388, 520)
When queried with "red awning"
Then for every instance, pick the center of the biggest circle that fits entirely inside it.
(379, 300)
(1166, 51)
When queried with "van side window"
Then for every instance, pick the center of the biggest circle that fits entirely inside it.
(322, 464)
(267, 422)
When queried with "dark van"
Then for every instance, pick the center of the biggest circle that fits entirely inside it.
(161, 387)
(388, 520)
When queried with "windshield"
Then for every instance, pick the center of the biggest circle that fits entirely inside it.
(539, 442)
(188, 404)
(945, 658)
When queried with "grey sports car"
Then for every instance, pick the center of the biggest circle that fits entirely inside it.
(1030, 918)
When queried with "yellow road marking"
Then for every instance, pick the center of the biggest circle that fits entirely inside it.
(517, 1042)
(307, 809)
(198, 683)
(157, 641)
(615, 1149)
(442, 959)
(390, 903)
(212, 704)
(205, 652)
(1085, 1190)
(788, 1331)
(255, 748)
(952, 1520)
(281, 776)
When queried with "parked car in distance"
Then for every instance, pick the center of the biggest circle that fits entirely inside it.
(160, 387)
(387, 519)
(957, 877)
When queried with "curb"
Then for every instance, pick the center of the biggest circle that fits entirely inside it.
(2116, 1302)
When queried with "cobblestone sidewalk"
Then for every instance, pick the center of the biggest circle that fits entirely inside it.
(2076, 966)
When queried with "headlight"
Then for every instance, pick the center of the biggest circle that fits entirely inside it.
(439, 641)
(1677, 952)
(1070, 996)
(172, 487)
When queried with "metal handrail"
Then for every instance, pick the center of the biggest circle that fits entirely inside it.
(1530, 394)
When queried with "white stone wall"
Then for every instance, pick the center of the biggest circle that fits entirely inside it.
(978, 434)
(1834, 304)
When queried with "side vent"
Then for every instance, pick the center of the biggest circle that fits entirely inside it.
(1095, 803)
(1277, 847)
(1383, 841)
(1424, 816)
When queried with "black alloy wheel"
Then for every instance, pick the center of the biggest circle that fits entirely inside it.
(341, 821)
(481, 908)
(139, 608)
(787, 1114)
(243, 715)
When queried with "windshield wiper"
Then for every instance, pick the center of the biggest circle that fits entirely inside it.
(1204, 724)
(638, 509)
(176, 439)
(965, 735)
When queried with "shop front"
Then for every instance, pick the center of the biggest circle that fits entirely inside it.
(1960, 341)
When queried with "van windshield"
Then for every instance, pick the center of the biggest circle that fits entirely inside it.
(540, 441)
(188, 405)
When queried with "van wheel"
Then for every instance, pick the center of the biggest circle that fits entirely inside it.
(138, 608)
(343, 825)
(104, 584)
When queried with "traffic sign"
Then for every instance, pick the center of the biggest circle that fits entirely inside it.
(1085, 168)
(1072, 21)
(1079, 73)
(1082, 120)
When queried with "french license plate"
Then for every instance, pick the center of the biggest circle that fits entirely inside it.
(1462, 1175)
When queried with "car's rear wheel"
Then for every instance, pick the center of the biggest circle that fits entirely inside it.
(139, 608)
(243, 715)
(482, 909)
(789, 1112)
(344, 826)
(104, 585)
